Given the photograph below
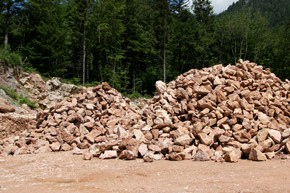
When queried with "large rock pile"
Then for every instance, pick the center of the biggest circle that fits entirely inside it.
(98, 115)
(218, 113)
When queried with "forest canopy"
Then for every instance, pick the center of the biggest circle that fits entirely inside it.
(133, 43)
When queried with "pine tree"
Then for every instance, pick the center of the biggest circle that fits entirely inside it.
(203, 11)
(162, 29)
(47, 36)
(10, 9)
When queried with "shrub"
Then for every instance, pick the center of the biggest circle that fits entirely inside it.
(18, 97)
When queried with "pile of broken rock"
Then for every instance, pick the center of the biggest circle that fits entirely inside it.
(219, 113)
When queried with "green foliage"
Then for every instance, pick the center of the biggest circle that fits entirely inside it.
(133, 43)
(18, 97)
(10, 58)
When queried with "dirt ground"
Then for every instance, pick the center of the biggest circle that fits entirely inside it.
(66, 173)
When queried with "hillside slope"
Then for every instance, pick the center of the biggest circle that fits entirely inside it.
(276, 11)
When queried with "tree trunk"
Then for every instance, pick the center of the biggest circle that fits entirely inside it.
(6, 30)
(164, 63)
(84, 56)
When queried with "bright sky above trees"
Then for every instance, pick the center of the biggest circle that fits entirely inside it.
(221, 5)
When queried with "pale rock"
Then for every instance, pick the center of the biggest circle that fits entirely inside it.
(88, 156)
(205, 139)
(139, 135)
(218, 156)
(90, 106)
(122, 133)
(224, 139)
(127, 155)
(183, 140)
(201, 156)
(55, 146)
(232, 154)
(148, 157)
(176, 148)
(257, 155)
(173, 156)
(92, 135)
(89, 124)
(160, 87)
(286, 133)
(154, 148)
(275, 135)
(146, 128)
(6, 108)
(143, 149)
(263, 118)
(217, 81)
(262, 135)
(109, 154)
(77, 151)
(287, 146)
(158, 156)
(66, 147)
(83, 130)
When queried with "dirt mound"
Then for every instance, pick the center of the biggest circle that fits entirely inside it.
(218, 113)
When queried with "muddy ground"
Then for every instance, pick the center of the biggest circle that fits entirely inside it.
(66, 173)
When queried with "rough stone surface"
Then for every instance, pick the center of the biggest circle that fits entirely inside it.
(257, 155)
(275, 135)
(109, 154)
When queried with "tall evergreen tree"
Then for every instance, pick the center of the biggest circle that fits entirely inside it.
(47, 36)
(10, 12)
(139, 41)
(162, 29)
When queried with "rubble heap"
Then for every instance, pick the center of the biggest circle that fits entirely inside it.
(217, 113)
(46, 93)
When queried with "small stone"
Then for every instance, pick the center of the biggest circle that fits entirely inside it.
(127, 155)
(154, 148)
(160, 87)
(173, 156)
(109, 154)
(224, 139)
(183, 140)
(143, 149)
(286, 133)
(262, 135)
(201, 156)
(148, 157)
(122, 133)
(55, 146)
(6, 108)
(275, 135)
(287, 146)
(232, 154)
(65, 147)
(158, 156)
(257, 155)
(77, 151)
(139, 135)
(205, 139)
(88, 156)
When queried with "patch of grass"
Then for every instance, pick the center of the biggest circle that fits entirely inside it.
(18, 97)
(136, 95)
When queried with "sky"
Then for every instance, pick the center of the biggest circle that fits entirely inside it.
(221, 5)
